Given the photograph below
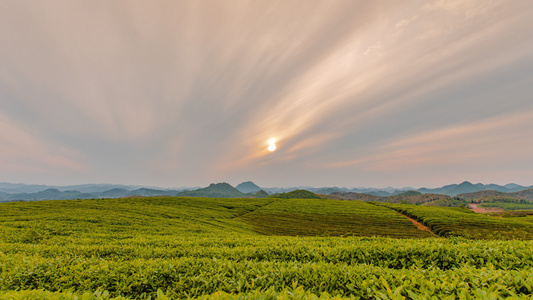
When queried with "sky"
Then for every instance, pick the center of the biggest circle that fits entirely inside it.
(188, 93)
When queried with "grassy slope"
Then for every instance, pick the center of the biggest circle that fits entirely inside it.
(452, 221)
(161, 216)
(509, 206)
(495, 196)
(188, 247)
(101, 220)
(319, 217)
(412, 197)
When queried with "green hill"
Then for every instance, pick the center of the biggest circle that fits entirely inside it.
(218, 190)
(268, 248)
(495, 196)
(51, 193)
(422, 199)
(409, 193)
(152, 192)
(248, 187)
(297, 194)
(48, 221)
(356, 196)
(455, 221)
(114, 193)
(412, 197)
(260, 194)
(324, 217)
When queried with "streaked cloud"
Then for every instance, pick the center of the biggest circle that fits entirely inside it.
(187, 93)
(494, 138)
(24, 153)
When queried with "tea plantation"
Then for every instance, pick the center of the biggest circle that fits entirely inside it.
(175, 248)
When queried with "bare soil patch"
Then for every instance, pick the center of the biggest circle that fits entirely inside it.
(419, 225)
(475, 208)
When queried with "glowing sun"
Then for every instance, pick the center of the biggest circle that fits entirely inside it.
(272, 145)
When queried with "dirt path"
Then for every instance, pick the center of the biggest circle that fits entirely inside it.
(420, 225)
(482, 210)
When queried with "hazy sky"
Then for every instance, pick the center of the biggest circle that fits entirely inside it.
(185, 93)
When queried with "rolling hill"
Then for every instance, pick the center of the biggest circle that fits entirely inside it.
(25, 192)
(412, 197)
(248, 187)
(215, 190)
(467, 187)
(246, 248)
(47, 194)
(356, 196)
(56, 194)
(297, 194)
(495, 196)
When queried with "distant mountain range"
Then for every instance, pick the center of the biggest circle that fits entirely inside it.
(248, 187)
(415, 197)
(450, 190)
(493, 196)
(467, 187)
(412, 197)
(225, 190)
(16, 192)
(14, 188)
(22, 192)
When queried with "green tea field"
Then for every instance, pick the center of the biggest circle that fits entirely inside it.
(207, 248)
(454, 221)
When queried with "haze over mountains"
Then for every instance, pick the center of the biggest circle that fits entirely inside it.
(16, 192)
(225, 190)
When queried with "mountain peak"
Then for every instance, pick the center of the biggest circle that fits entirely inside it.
(220, 185)
(217, 190)
(248, 187)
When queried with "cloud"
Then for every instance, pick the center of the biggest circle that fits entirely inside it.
(497, 139)
(492, 145)
(23, 152)
(184, 93)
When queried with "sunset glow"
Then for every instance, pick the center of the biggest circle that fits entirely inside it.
(271, 144)
(184, 93)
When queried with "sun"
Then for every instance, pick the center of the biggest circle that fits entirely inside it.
(272, 145)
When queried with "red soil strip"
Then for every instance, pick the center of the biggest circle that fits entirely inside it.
(419, 225)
